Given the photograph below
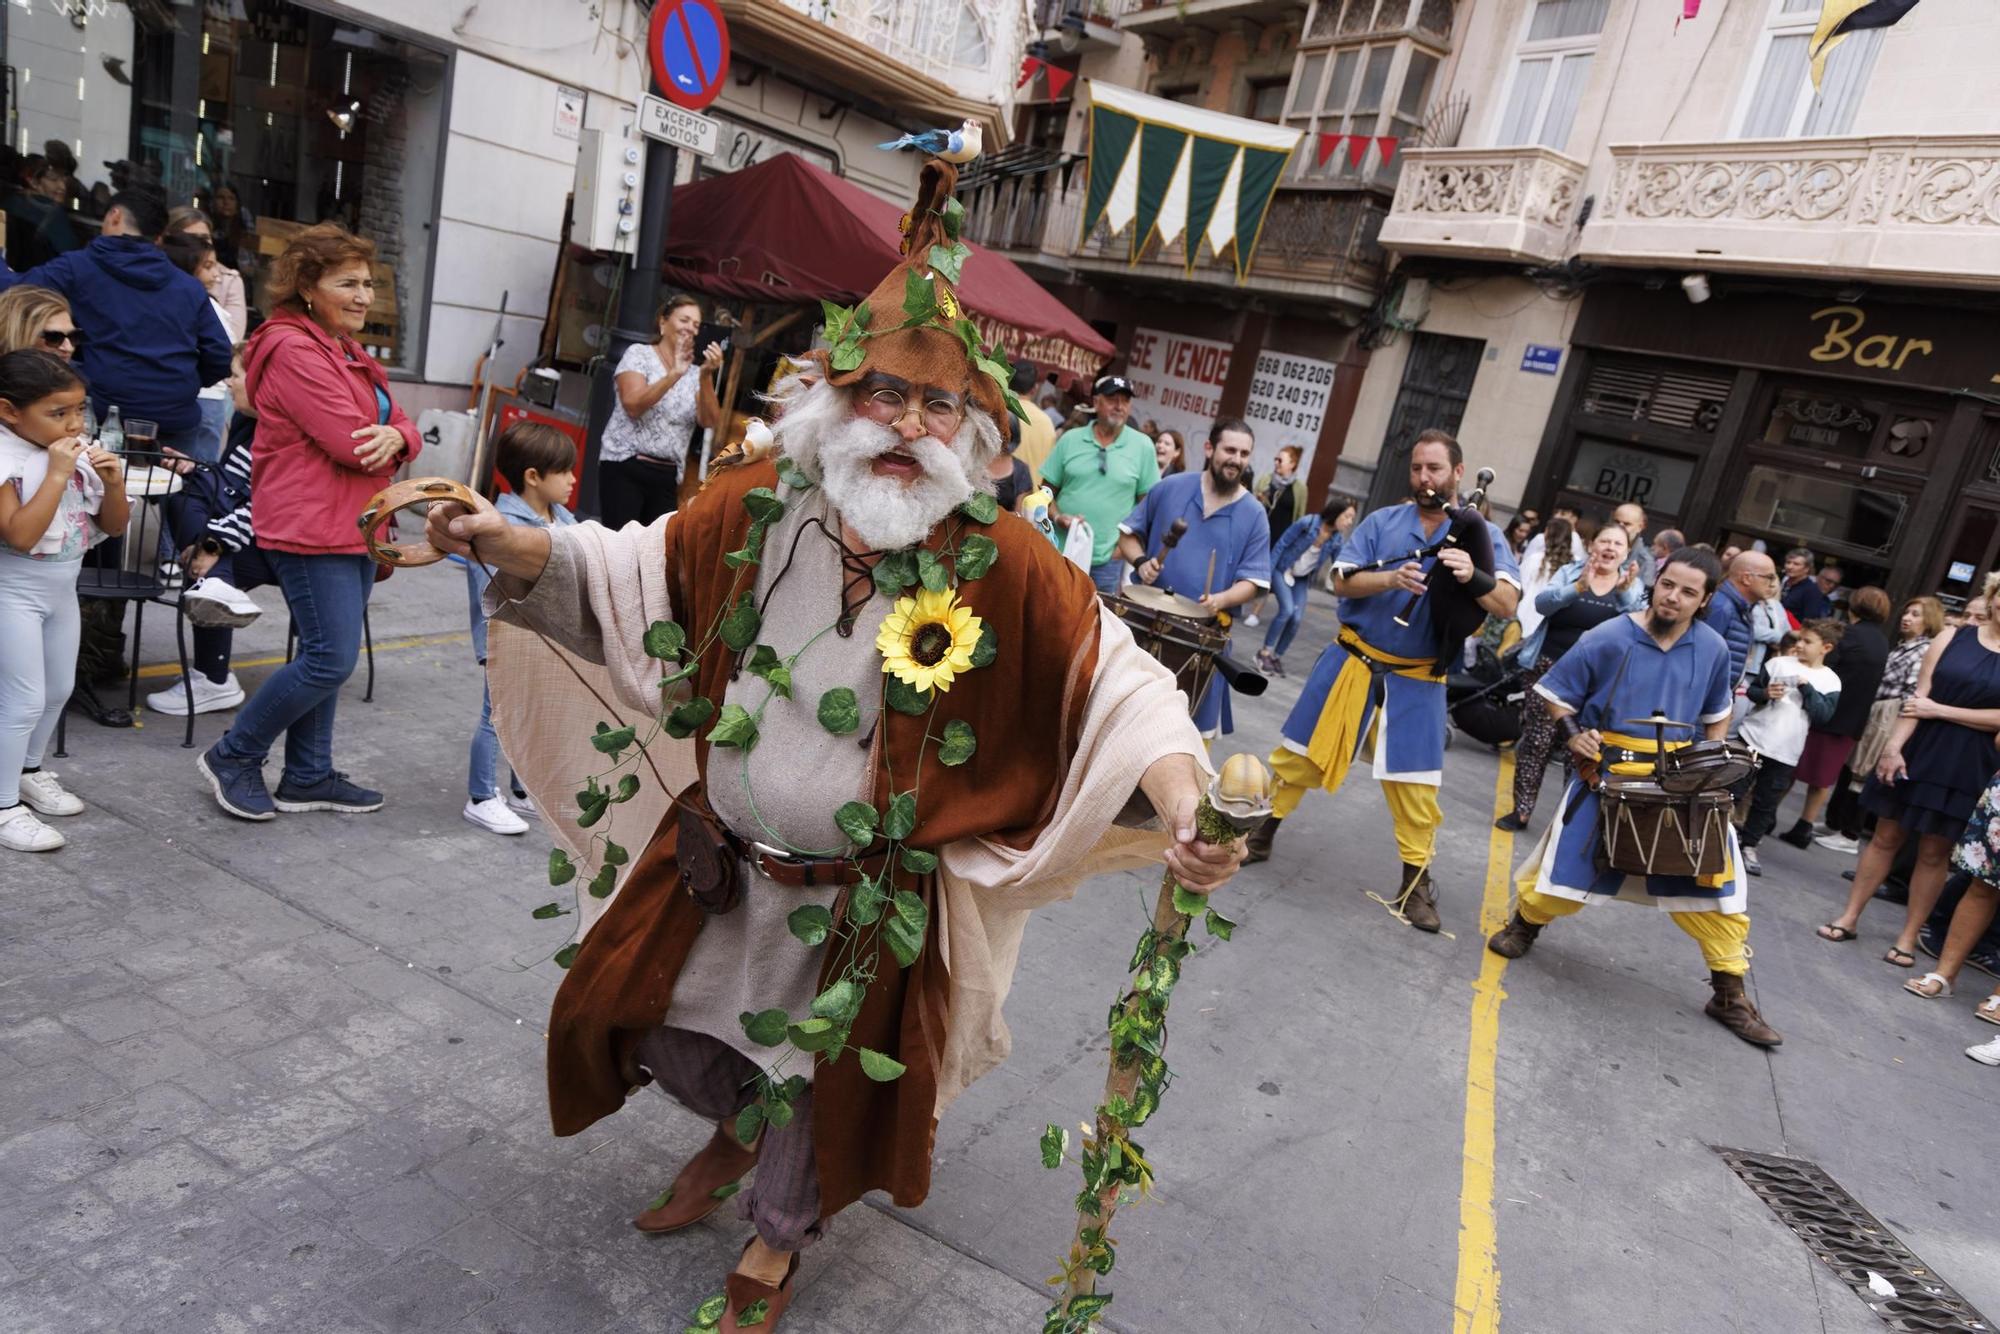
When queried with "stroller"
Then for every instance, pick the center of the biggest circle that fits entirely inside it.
(1483, 699)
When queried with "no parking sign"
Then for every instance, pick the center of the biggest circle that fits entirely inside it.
(689, 47)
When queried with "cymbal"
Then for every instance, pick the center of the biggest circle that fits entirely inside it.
(1656, 721)
(1159, 599)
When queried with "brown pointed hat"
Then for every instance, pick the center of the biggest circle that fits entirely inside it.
(912, 325)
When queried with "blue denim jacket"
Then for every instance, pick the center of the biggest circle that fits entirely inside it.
(1296, 540)
(518, 511)
(1561, 591)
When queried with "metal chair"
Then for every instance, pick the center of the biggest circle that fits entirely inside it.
(127, 569)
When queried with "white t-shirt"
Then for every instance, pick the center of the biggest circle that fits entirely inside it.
(664, 430)
(1777, 730)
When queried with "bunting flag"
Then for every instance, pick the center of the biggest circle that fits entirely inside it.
(1357, 147)
(1182, 173)
(1840, 18)
(1059, 78)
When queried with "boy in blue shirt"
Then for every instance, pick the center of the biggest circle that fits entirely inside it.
(539, 463)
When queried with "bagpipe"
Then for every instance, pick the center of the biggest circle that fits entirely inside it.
(1453, 607)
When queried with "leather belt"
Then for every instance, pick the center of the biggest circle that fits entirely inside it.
(807, 872)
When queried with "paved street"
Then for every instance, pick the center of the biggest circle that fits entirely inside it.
(288, 1077)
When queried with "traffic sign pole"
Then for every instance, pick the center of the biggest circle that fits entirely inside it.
(688, 51)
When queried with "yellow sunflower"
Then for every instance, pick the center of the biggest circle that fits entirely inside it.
(928, 640)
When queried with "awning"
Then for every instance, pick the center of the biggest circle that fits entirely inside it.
(1181, 172)
(785, 231)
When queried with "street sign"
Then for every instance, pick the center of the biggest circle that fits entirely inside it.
(662, 120)
(1541, 359)
(689, 46)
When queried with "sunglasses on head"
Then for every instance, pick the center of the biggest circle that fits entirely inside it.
(57, 337)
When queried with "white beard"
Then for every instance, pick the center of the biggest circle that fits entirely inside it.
(820, 432)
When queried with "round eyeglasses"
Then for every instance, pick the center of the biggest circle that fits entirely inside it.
(941, 416)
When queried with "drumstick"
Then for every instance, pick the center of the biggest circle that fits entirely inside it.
(1175, 532)
(1208, 581)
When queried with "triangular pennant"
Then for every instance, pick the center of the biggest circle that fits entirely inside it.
(1262, 168)
(1209, 161)
(1222, 224)
(1111, 136)
(1357, 149)
(1030, 66)
(1174, 207)
(1327, 143)
(1160, 151)
(1387, 144)
(1059, 79)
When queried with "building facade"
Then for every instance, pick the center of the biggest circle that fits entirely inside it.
(1660, 265)
(447, 133)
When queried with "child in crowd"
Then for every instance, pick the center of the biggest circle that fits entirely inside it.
(1791, 694)
(539, 464)
(59, 496)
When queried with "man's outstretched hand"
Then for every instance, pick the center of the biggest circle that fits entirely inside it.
(487, 537)
(1173, 784)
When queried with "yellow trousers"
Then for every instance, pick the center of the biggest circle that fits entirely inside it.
(1412, 806)
(1724, 937)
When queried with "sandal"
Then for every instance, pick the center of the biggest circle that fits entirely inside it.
(1989, 1009)
(1923, 986)
(1840, 935)
(1900, 958)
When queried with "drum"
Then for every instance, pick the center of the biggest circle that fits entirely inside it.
(1706, 765)
(1645, 829)
(1180, 632)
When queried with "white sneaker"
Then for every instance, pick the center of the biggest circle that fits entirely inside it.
(41, 791)
(211, 602)
(523, 806)
(1986, 1053)
(21, 831)
(492, 815)
(1838, 843)
(209, 696)
(1251, 620)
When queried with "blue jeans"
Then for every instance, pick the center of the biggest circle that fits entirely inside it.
(1106, 576)
(205, 441)
(1291, 610)
(484, 765)
(327, 596)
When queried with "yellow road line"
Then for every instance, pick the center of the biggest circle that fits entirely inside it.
(386, 646)
(1477, 1297)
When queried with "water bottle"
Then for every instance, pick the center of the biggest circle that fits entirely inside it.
(112, 436)
(89, 421)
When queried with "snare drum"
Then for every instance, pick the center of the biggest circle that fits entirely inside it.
(1646, 829)
(1179, 632)
(1707, 765)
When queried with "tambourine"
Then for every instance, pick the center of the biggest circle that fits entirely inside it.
(409, 494)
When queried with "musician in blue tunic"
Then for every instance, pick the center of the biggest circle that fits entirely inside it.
(1383, 679)
(1223, 527)
(1659, 660)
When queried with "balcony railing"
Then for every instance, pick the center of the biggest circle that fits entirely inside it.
(1213, 15)
(957, 43)
(1315, 243)
(1515, 204)
(1092, 18)
(1899, 209)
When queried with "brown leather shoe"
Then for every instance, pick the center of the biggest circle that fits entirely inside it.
(721, 1163)
(1419, 899)
(1732, 1007)
(1257, 847)
(753, 1305)
(1514, 939)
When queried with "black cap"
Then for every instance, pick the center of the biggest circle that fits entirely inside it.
(1112, 384)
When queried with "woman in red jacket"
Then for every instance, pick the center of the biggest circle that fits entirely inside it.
(328, 436)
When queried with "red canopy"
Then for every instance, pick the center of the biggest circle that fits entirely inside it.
(785, 231)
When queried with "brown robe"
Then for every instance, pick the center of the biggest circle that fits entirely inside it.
(1026, 709)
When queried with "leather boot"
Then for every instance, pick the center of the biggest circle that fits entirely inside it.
(1732, 1007)
(721, 1162)
(1419, 898)
(1514, 939)
(1257, 848)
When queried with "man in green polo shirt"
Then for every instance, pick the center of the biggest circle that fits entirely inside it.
(1098, 472)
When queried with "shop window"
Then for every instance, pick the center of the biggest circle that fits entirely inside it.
(269, 116)
(1550, 70)
(1664, 393)
(1815, 509)
(1617, 473)
(1372, 91)
(1780, 102)
(1822, 423)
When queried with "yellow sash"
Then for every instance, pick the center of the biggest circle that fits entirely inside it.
(1337, 734)
(1645, 745)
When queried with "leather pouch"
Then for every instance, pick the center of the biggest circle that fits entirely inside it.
(709, 865)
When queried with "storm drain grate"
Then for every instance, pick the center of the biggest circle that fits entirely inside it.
(1854, 1244)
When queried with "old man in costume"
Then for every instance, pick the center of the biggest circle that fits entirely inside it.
(908, 722)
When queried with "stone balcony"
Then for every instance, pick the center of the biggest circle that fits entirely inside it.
(1161, 18)
(1895, 209)
(1514, 204)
